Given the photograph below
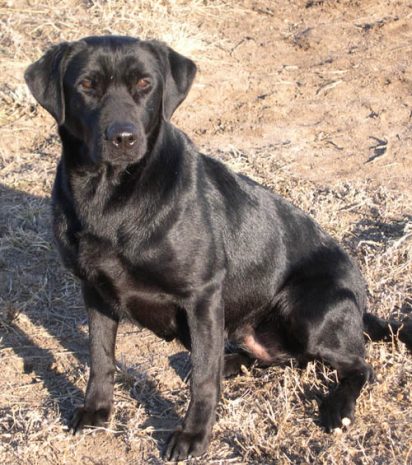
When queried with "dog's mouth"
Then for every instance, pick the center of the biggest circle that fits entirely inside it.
(123, 157)
(126, 156)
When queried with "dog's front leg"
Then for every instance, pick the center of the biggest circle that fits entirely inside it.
(102, 339)
(206, 324)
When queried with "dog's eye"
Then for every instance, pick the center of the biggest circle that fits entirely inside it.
(87, 84)
(143, 84)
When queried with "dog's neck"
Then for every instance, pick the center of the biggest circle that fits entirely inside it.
(150, 182)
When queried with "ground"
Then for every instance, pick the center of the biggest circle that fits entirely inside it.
(313, 98)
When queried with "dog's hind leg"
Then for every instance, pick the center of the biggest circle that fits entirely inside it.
(233, 363)
(338, 408)
(326, 323)
(340, 344)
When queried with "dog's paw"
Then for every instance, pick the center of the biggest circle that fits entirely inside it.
(183, 444)
(336, 413)
(236, 364)
(83, 417)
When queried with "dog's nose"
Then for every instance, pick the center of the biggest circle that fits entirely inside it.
(122, 135)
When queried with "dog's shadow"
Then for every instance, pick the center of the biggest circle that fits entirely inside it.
(38, 297)
(377, 231)
(162, 417)
(181, 364)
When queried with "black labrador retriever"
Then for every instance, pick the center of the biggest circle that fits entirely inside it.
(173, 239)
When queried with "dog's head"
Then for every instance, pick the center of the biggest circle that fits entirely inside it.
(111, 92)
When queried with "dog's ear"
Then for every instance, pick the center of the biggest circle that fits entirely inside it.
(45, 79)
(179, 75)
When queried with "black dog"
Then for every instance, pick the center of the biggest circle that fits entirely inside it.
(161, 234)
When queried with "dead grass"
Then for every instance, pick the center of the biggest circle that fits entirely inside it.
(267, 416)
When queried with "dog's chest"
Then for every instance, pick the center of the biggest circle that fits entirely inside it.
(122, 250)
(136, 291)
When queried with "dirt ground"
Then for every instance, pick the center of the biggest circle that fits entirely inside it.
(313, 98)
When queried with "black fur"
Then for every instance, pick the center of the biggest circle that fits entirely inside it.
(166, 236)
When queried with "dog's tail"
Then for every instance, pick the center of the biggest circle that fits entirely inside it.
(378, 329)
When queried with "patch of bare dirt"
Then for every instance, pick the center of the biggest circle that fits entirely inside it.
(330, 83)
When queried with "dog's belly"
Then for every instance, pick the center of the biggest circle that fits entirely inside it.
(161, 318)
(153, 310)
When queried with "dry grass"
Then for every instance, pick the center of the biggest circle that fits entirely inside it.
(266, 416)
